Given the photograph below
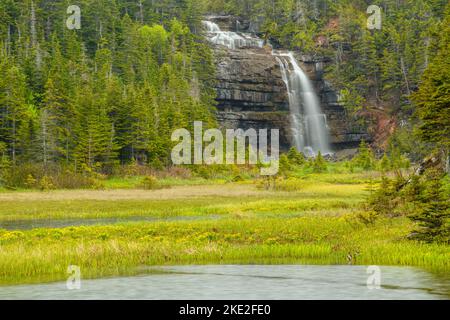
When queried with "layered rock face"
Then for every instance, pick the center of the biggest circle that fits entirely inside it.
(252, 94)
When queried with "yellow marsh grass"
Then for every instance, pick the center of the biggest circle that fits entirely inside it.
(177, 192)
(102, 250)
(314, 224)
(199, 201)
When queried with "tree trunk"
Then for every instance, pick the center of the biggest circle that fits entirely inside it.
(402, 64)
(34, 41)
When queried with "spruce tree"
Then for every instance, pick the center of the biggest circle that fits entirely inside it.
(433, 97)
(295, 157)
(319, 164)
(13, 108)
(433, 216)
(365, 158)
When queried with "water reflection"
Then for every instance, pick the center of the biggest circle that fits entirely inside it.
(247, 282)
(62, 223)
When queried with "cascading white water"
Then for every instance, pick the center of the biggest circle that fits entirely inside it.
(308, 124)
(230, 39)
(294, 107)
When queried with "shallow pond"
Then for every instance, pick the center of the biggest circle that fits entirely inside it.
(232, 282)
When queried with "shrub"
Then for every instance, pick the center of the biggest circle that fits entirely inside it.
(150, 183)
(296, 158)
(46, 183)
(267, 183)
(290, 184)
(18, 176)
(280, 184)
(237, 178)
(423, 199)
(284, 165)
(367, 217)
(97, 184)
(30, 181)
(385, 164)
(397, 160)
(177, 172)
(133, 169)
(203, 172)
(38, 176)
(319, 164)
(385, 200)
(73, 180)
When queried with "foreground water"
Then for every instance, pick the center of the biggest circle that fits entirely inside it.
(247, 282)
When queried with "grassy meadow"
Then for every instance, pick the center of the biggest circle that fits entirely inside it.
(307, 219)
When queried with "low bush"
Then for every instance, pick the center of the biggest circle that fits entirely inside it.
(33, 176)
(280, 184)
(150, 183)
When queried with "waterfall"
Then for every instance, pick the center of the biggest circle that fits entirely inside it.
(308, 124)
(294, 107)
(231, 40)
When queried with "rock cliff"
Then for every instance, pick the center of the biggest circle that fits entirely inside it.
(252, 94)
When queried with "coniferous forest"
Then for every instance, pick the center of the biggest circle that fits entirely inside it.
(108, 94)
(112, 92)
(87, 116)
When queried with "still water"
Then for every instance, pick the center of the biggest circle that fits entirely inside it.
(62, 223)
(232, 282)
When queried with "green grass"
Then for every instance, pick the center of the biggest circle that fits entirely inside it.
(311, 197)
(114, 249)
(211, 206)
(314, 223)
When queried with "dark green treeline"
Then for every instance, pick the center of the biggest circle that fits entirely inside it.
(109, 93)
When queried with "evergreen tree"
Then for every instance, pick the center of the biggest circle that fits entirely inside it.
(319, 164)
(433, 97)
(137, 70)
(385, 164)
(13, 108)
(433, 216)
(382, 201)
(295, 157)
(284, 165)
(96, 147)
(365, 158)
